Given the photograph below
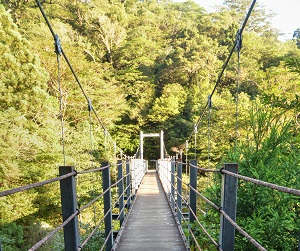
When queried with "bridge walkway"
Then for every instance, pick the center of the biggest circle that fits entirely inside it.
(151, 225)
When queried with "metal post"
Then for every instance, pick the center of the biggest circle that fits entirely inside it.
(128, 180)
(141, 145)
(121, 190)
(69, 207)
(161, 144)
(179, 190)
(193, 184)
(133, 176)
(107, 205)
(173, 184)
(228, 202)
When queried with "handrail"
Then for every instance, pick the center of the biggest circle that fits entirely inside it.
(263, 183)
(138, 171)
(37, 184)
(165, 177)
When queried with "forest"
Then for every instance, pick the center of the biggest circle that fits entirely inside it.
(147, 66)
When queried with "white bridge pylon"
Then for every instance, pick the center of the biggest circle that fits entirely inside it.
(148, 135)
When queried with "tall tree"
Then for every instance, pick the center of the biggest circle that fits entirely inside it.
(260, 19)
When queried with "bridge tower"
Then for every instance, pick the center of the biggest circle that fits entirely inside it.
(145, 135)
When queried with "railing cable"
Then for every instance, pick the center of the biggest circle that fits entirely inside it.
(244, 233)
(49, 236)
(37, 184)
(93, 232)
(187, 203)
(263, 183)
(92, 170)
(199, 223)
(205, 169)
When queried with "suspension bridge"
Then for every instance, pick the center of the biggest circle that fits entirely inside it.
(156, 209)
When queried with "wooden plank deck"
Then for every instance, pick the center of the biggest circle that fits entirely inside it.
(151, 225)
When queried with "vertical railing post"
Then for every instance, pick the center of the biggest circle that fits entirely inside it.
(193, 184)
(179, 190)
(228, 202)
(128, 180)
(69, 207)
(121, 190)
(173, 184)
(107, 205)
(133, 175)
(168, 176)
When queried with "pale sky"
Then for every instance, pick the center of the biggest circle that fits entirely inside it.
(287, 19)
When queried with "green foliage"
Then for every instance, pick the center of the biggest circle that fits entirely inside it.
(11, 236)
(268, 154)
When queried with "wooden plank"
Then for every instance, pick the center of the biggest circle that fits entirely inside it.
(151, 225)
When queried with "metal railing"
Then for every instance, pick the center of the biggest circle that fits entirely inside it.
(170, 174)
(127, 184)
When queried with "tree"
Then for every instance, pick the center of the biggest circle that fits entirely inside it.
(27, 130)
(260, 19)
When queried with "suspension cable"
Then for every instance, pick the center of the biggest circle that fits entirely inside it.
(61, 115)
(225, 65)
(238, 49)
(209, 103)
(195, 132)
(90, 107)
(55, 36)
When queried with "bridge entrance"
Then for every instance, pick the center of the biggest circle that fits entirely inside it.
(145, 135)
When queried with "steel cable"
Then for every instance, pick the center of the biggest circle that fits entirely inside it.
(37, 184)
(50, 235)
(243, 232)
(205, 169)
(199, 223)
(61, 51)
(93, 170)
(187, 223)
(101, 221)
(101, 195)
(112, 229)
(60, 98)
(93, 232)
(263, 183)
(224, 66)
